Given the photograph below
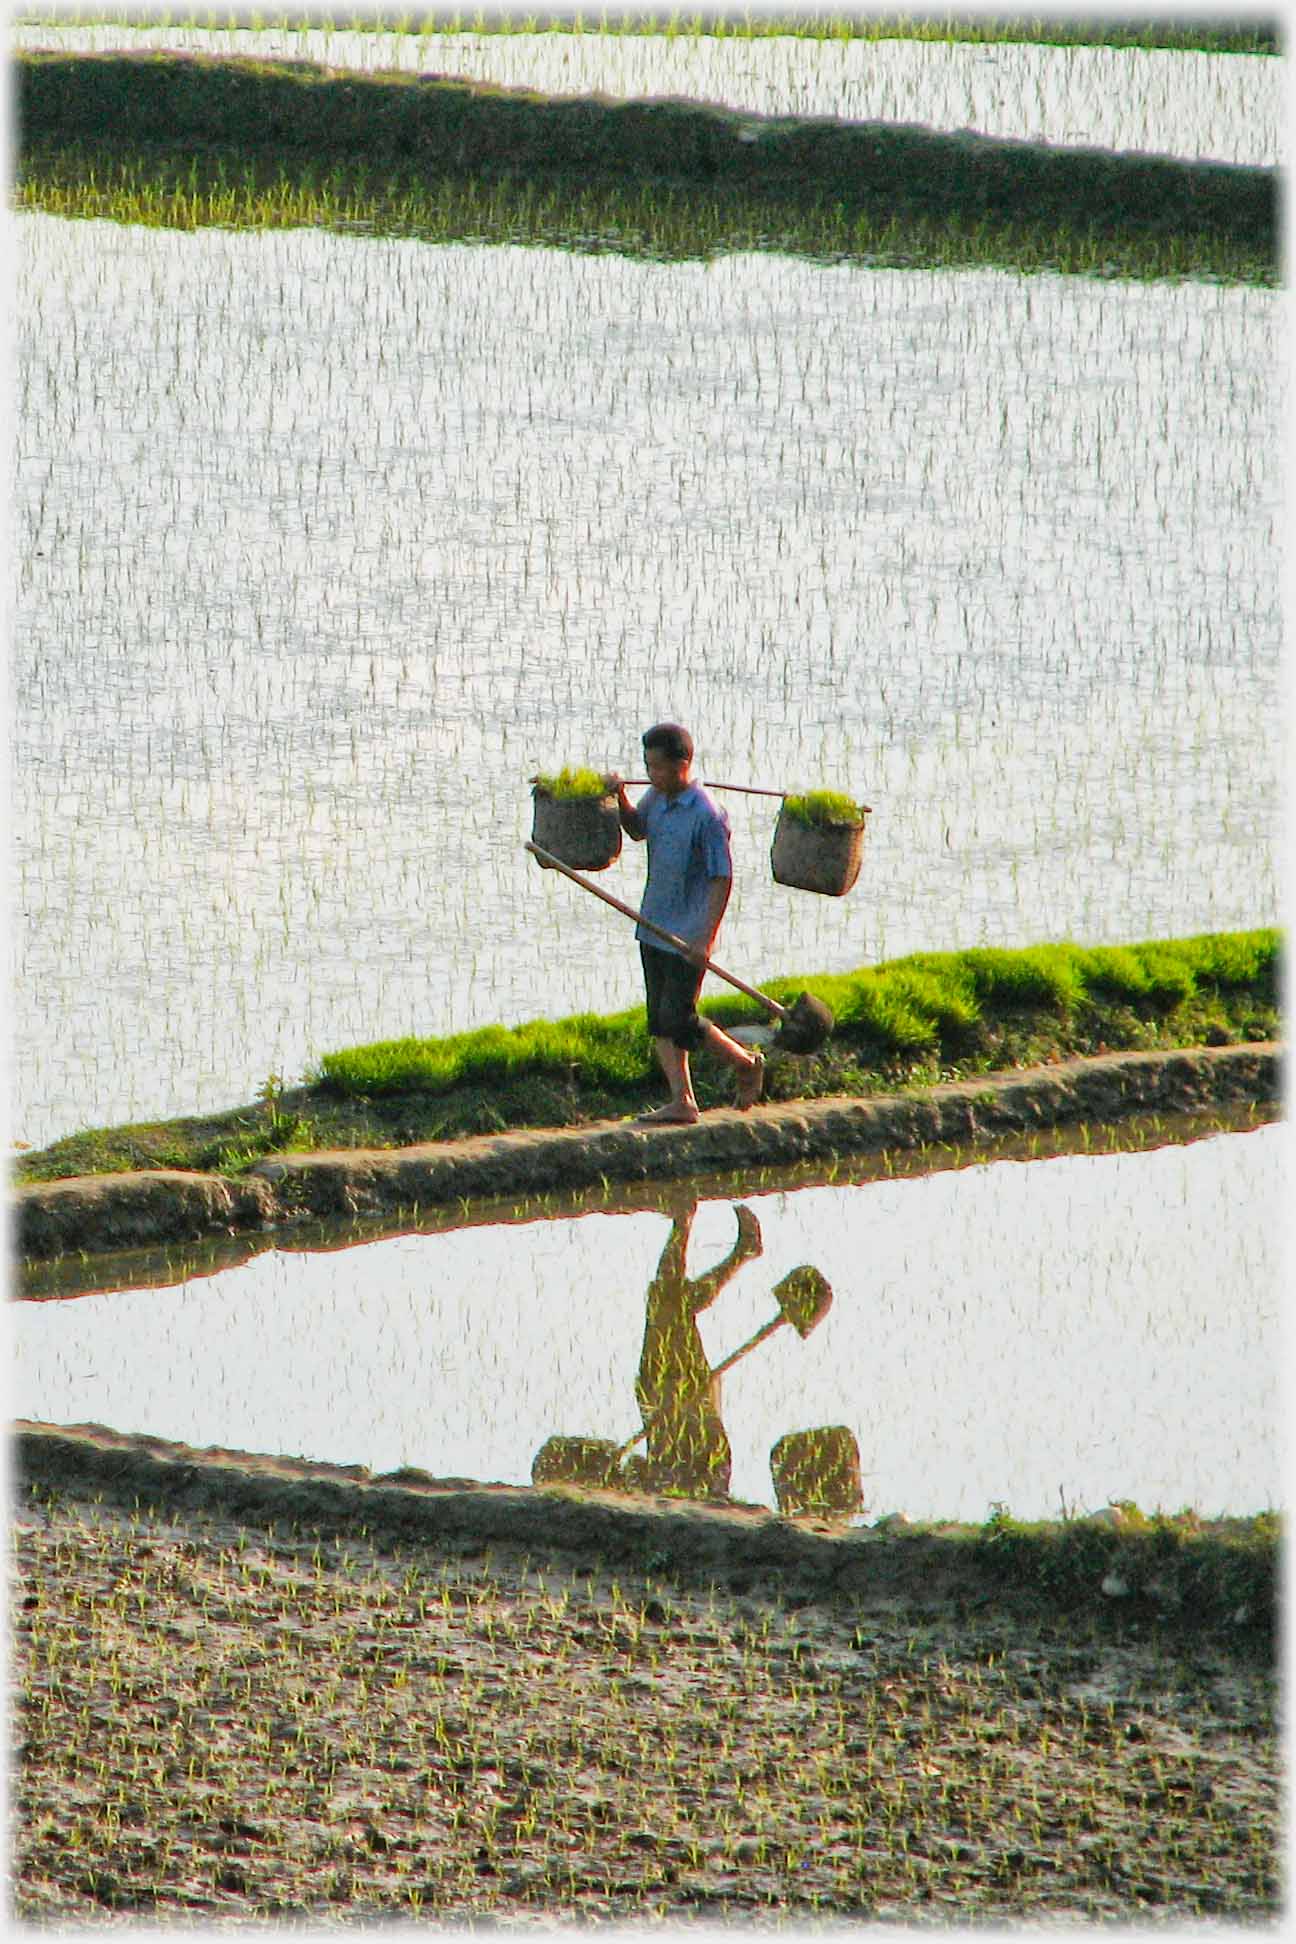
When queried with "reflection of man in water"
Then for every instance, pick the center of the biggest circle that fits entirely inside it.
(678, 1397)
(814, 1472)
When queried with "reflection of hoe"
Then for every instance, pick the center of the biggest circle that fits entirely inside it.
(804, 1299)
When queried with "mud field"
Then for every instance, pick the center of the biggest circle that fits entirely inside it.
(225, 1719)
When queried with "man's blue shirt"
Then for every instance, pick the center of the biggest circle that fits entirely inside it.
(688, 843)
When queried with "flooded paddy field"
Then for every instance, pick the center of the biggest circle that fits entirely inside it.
(1048, 1335)
(325, 544)
(1215, 106)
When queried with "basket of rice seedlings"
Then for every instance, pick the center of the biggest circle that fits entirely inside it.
(818, 842)
(575, 816)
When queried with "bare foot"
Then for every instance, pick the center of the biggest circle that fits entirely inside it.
(676, 1113)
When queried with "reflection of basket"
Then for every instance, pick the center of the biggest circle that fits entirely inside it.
(583, 832)
(816, 857)
(577, 1461)
(817, 1471)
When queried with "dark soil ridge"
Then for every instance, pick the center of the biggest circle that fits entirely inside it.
(1221, 1577)
(443, 126)
(98, 1214)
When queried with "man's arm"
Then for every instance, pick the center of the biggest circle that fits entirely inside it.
(718, 889)
(631, 822)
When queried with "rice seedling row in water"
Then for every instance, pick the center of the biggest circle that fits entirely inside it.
(655, 222)
(877, 170)
(1198, 34)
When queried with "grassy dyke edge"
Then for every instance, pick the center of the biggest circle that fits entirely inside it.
(395, 137)
(1165, 1568)
(1177, 1573)
(63, 1228)
(926, 1005)
(908, 1023)
(1260, 35)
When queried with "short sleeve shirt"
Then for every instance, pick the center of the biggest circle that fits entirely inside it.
(688, 844)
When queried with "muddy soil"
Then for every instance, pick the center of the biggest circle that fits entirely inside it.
(231, 1719)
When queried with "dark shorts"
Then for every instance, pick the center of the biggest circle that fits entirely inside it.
(672, 984)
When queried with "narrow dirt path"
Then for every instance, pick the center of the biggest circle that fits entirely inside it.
(94, 1214)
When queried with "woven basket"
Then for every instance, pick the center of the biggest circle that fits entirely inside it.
(582, 832)
(816, 857)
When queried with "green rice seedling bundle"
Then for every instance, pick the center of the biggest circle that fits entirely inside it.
(825, 809)
(573, 785)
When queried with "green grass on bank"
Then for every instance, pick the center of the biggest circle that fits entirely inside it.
(195, 139)
(910, 1022)
(1159, 1566)
(1201, 35)
(940, 1006)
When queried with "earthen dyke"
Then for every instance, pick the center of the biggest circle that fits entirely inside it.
(93, 1214)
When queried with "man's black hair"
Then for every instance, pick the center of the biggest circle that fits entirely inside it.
(673, 740)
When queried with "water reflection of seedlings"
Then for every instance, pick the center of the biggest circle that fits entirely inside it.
(678, 1391)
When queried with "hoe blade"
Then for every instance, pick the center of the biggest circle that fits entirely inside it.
(805, 1297)
(805, 1026)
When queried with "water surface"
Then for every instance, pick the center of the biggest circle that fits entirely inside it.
(1061, 1331)
(324, 545)
(1217, 107)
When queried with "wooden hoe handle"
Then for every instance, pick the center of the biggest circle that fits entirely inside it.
(743, 789)
(730, 978)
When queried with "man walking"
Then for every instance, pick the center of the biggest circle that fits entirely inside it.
(690, 873)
